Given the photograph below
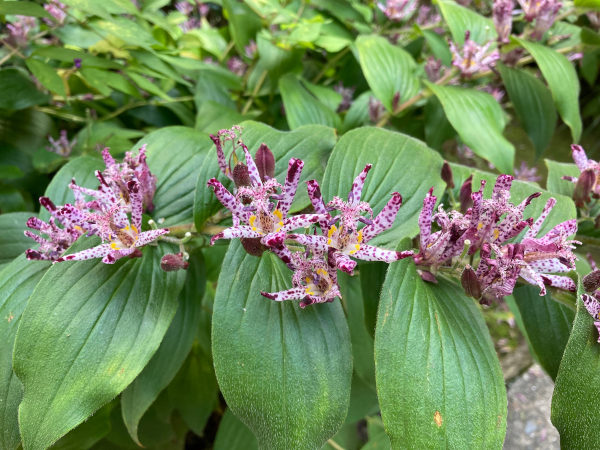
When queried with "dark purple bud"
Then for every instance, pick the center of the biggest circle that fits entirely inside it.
(427, 276)
(447, 175)
(591, 281)
(47, 203)
(33, 255)
(253, 246)
(467, 35)
(77, 63)
(173, 261)
(137, 253)
(396, 101)
(265, 162)
(470, 283)
(597, 222)
(465, 194)
(241, 177)
(583, 187)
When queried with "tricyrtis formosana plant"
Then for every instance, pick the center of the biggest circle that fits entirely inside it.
(269, 224)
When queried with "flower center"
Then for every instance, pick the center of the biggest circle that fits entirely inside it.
(124, 237)
(344, 241)
(265, 222)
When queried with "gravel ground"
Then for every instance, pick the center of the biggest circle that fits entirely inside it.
(528, 422)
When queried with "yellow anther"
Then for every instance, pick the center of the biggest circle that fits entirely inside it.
(251, 221)
(496, 234)
(360, 237)
(479, 226)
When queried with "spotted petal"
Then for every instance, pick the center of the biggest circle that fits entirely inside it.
(385, 219)
(291, 185)
(358, 184)
(95, 252)
(242, 231)
(297, 293)
(370, 253)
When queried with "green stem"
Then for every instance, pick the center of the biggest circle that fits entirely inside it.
(331, 63)
(254, 93)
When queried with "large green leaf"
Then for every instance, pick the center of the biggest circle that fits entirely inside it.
(284, 371)
(311, 143)
(243, 23)
(234, 435)
(302, 107)
(389, 69)
(12, 240)
(18, 91)
(89, 432)
(575, 407)
(171, 354)
(175, 156)
(533, 104)
(562, 81)
(438, 378)
(88, 330)
(555, 182)
(400, 163)
(17, 281)
(46, 75)
(548, 325)
(461, 19)
(23, 8)
(479, 120)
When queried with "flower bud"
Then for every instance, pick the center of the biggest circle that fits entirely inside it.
(241, 177)
(173, 261)
(427, 276)
(447, 175)
(253, 246)
(470, 283)
(591, 281)
(465, 195)
(265, 162)
(583, 187)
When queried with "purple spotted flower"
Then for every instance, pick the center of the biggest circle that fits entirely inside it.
(502, 15)
(553, 253)
(346, 239)
(19, 30)
(120, 236)
(497, 276)
(588, 182)
(398, 10)
(474, 57)
(544, 13)
(237, 66)
(314, 281)
(61, 146)
(592, 304)
(260, 204)
(57, 10)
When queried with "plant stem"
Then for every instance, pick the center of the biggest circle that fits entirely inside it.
(335, 445)
(330, 63)
(254, 93)
(63, 115)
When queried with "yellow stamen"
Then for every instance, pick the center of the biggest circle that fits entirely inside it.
(251, 221)
(359, 238)
(496, 234)
(479, 226)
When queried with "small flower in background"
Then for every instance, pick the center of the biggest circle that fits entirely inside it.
(428, 16)
(251, 49)
(376, 109)
(475, 58)
(347, 93)
(544, 13)
(502, 15)
(495, 91)
(594, 18)
(124, 188)
(18, 31)
(433, 67)
(77, 63)
(526, 173)
(588, 181)
(57, 10)
(184, 7)
(236, 65)
(174, 261)
(61, 146)
(398, 10)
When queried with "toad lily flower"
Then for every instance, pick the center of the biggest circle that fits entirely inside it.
(346, 239)
(543, 12)
(588, 181)
(502, 15)
(120, 238)
(592, 304)
(475, 58)
(314, 280)
(255, 214)
(550, 254)
(497, 277)
(397, 10)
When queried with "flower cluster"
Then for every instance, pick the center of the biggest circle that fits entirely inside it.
(57, 10)
(188, 9)
(544, 13)
(487, 225)
(19, 30)
(61, 146)
(260, 208)
(502, 16)
(591, 300)
(474, 58)
(398, 10)
(125, 189)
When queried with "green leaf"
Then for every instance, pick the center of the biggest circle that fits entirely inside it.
(46, 75)
(234, 435)
(17, 281)
(311, 143)
(171, 354)
(593, 4)
(575, 407)
(439, 47)
(23, 8)
(562, 81)
(213, 116)
(18, 91)
(533, 104)
(479, 120)
(82, 169)
(12, 240)
(389, 69)
(126, 30)
(302, 107)
(400, 163)
(175, 155)
(283, 370)
(88, 330)
(378, 440)
(438, 378)
(243, 23)
(461, 19)
(437, 127)
(548, 325)
(557, 170)
(88, 433)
